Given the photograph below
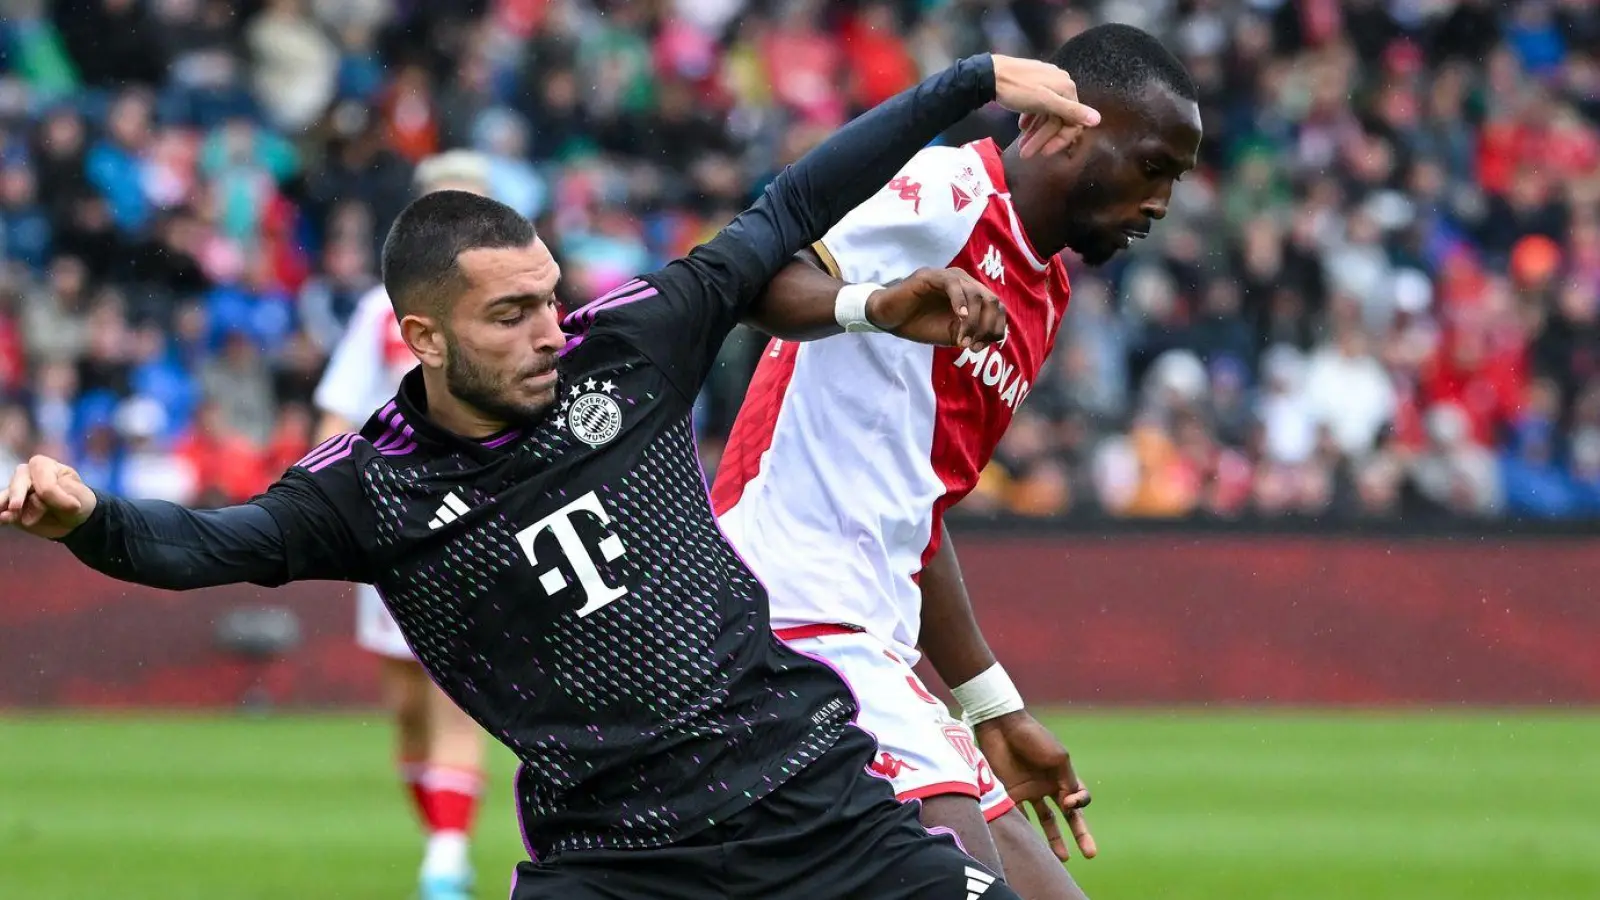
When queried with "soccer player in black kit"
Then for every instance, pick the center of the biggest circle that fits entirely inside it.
(531, 506)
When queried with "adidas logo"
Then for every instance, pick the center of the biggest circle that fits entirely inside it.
(451, 509)
(978, 883)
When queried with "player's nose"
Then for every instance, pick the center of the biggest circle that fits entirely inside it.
(549, 335)
(1155, 206)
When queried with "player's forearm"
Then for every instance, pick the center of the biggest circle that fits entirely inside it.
(164, 545)
(798, 304)
(811, 196)
(951, 638)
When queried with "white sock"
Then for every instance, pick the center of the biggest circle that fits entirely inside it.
(446, 854)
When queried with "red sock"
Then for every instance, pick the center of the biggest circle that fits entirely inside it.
(411, 773)
(450, 798)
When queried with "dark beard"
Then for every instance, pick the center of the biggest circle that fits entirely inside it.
(479, 388)
(1096, 252)
(1092, 246)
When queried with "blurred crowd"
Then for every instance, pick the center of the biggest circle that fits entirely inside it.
(1376, 297)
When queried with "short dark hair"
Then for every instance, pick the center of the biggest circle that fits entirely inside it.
(419, 255)
(1121, 61)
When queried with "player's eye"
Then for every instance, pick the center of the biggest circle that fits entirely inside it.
(1153, 170)
(510, 320)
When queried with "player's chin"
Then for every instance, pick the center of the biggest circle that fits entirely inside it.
(1101, 253)
(535, 396)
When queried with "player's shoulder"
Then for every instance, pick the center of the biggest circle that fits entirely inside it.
(387, 438)
(922, 217)
(969, 174)
(337, 457)
(973, 164)
(628, 312)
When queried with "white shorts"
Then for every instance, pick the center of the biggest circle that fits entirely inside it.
(922, 749)
(376, 630)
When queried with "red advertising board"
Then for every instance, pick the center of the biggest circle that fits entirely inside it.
(1172, 618)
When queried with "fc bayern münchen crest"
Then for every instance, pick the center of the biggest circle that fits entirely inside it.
(593, 414)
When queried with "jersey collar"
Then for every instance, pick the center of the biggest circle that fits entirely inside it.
(412, 402)
(994, 165)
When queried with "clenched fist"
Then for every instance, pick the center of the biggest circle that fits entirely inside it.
(939, 306)
(46, 499)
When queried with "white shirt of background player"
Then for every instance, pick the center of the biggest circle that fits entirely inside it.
(367, 364)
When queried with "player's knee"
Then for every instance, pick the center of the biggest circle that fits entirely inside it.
(1032, 869)
(454, 738)
(961, 817)
(406, 690)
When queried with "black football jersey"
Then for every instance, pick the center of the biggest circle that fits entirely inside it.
(566, 582)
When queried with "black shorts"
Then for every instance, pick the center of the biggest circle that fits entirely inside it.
(833, 832)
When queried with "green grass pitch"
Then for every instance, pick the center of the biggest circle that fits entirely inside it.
(1297, 806)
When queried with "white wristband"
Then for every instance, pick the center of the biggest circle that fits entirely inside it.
(988, 696)
(850, 307)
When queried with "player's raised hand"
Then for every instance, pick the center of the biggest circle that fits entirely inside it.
(1047, 97)
(1037, 772)
(939, 306)
(45, 498)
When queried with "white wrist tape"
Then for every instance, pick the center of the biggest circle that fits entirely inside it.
(988, 696)
(850, 307)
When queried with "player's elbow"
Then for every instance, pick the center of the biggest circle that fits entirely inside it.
(797, 304)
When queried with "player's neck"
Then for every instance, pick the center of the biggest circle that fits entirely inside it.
(457, 417)
(1041, 220)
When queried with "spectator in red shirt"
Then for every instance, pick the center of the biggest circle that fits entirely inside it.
(803, 64)
(880, 63)
(227, 465)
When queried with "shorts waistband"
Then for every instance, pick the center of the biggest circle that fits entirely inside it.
(801, 632)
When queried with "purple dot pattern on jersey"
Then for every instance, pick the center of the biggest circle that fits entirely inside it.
(590, 703)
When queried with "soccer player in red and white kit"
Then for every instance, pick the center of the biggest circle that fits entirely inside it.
(438, 747)
(848, 451)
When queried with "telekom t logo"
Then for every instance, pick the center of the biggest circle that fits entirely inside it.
(596, 592)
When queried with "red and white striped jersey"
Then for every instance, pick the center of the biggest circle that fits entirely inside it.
(847, 451)
(366, 367)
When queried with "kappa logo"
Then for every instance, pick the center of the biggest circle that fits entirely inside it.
(908, 190)
(992, 266)
(890, 766)
(592, 412)
(958, 198)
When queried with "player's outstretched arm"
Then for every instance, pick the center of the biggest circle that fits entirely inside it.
(156, 543)
(808, 198)
(1033, 765)
(930, 306)
(695, 301)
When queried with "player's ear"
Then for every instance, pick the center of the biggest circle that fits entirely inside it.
(425, 338)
